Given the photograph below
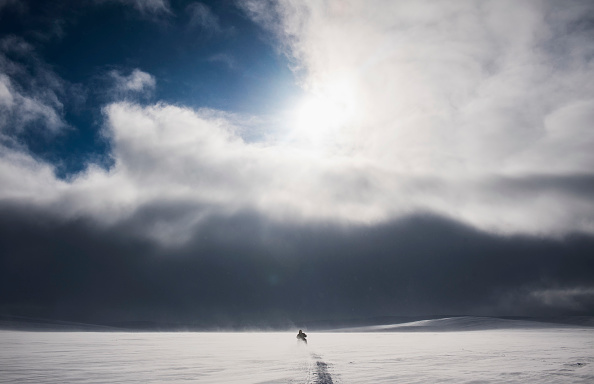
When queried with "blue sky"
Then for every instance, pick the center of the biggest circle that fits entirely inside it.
(212, 62)
(190, 133)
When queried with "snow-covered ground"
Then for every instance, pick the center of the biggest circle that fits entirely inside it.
(522, 355)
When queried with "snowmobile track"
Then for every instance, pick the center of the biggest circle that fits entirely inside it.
(319, 371)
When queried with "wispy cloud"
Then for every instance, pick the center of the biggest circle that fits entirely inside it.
(137, 82)
(30, 92)
(146, 7)
(6, 3)
(548, 295)
(201, 16)
(576, 298)
(223, 58)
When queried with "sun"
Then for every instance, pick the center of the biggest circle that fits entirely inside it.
(322, 116)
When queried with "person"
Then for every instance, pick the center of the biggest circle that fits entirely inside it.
(302, 336)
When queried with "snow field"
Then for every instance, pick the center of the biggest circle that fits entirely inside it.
(556, 355)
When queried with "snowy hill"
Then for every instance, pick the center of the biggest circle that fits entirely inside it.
(464, 323)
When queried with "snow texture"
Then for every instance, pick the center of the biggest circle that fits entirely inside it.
(461, 323)
(543, 355)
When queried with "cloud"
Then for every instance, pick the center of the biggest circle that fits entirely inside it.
(246, 267)
(7, 3)
(450, 91)
(223, 58)
(147, 7)
(445, 88)
(137, 82)
(30, 92)
(201, 16)
(185, 166)
(551, 292)
(20, 111)
(461, 113)
(577, 298)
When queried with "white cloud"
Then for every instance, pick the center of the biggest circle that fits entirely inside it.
(136, 82)
(6, 97)
(194, 163)
(443, 87)
(30, 92)
(477, 111)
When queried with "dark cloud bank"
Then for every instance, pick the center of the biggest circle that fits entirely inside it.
(247, 271)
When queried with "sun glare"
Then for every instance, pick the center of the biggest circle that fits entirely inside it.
(321, 117)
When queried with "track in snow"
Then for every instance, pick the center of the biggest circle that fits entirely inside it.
(319, 371)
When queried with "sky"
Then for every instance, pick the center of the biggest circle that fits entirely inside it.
(261, 161)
